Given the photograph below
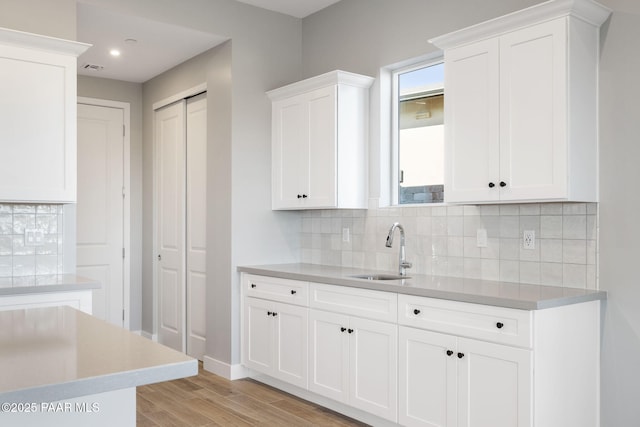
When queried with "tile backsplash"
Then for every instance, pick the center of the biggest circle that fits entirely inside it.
(441, 240)
(22, 263)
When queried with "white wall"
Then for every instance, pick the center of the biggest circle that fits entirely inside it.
(51, 18)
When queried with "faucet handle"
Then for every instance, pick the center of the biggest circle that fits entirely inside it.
(406, 264)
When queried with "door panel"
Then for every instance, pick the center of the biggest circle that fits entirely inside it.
(257, 346)
(329, 355)
(170, 145)
(196, 224)
(427, 383)
(100, 207)
(373, 350)
(291, 336)
(322, 148)
(494, 385)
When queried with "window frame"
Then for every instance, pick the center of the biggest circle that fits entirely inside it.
(435, 59)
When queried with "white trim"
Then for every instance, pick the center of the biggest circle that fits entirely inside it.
(586, 10)
(126, 272)
(188, 93)
(147, 335)
(323, 80)
(225, 370)
(40, 42)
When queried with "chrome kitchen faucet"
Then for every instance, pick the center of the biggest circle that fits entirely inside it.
(402, 262)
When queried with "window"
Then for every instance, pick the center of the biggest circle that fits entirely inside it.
(419, 134)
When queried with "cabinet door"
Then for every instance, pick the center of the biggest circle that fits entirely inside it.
(257, 345)
(533, 112)
(471, 122)
(291, 345)
(322, 161)
(373, 348)
(37, 126)
(290, 151)
(329, 354)
(427, 383)
(494, 385)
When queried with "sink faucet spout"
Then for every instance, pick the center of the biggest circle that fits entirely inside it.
(402, 261)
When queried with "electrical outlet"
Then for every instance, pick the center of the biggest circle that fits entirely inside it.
(345, 235)
(34, 237)
(529, 239)
(481, 237)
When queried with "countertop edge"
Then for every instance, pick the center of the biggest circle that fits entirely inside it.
(102, 383)
(70, 283)
(429, 293)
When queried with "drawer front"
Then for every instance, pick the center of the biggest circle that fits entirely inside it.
(487, 323)
(276, 289)
(375, 305)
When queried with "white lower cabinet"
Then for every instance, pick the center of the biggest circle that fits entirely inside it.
(386, 357)
(450, 381)
(354, 361)
(275, 340)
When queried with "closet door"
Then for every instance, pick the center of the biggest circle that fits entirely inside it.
(196, 224)
(170, 216)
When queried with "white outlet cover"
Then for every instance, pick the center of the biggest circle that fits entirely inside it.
(529, 239)
(481, 237)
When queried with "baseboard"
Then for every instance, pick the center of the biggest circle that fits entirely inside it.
(152, 337)
(223, 369)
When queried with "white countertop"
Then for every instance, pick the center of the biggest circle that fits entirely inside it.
(49, 283)
(55, 353)
(502, 294)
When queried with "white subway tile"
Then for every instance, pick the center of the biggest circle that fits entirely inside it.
(574, 251)
(551, 250)
(550, 227)
(574, 227)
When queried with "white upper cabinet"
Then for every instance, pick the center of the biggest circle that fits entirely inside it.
(521, 105)
(319, 142)
(37, 117)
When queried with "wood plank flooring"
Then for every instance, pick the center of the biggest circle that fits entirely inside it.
(210, 400)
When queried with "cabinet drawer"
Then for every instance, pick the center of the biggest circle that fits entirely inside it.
(355, 302)
(276, 289)
(487, 323)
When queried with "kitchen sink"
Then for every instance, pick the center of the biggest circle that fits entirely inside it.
(380, 276)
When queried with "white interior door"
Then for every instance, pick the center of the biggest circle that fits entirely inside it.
(170, 210)
(196, 224)
(100, 208)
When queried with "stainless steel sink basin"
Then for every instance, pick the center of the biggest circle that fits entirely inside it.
(380, 276)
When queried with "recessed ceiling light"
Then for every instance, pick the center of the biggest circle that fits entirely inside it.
(114, 52)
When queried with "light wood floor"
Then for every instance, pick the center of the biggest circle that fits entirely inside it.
(209, 400)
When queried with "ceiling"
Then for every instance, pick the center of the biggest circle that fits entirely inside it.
(148, 48)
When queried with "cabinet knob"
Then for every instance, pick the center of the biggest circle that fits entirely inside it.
(342, 329)
(503, 184)
(293, 292)
(269, 313)
(460, 355)
(449, 352)
(253, 285)
(304, 196)
(416, 311)
(491, 185)
(499, 325)
(299, 196)
(274, 314)
(350, 330)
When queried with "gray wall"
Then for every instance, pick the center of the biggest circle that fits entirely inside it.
(264, 53)
(620, 201)
(55, 18)
(130, 93)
